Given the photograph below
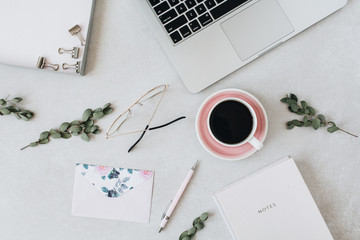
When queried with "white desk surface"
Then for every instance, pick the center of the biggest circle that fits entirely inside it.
(321, 65)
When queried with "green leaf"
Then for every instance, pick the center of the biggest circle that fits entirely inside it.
(17, 115)
(199, 226)
(98, 115)
(107, 111)
(65, 135)
(308, 123)
(301, 111)
(94, 128)
(192, 231)
(197, 220)
(204, 216)
(293, 97)
(186, 238)
(307, 111)
(332, 123)
(87, 129)
(304, 104)
(13, 109)
(45, 141)
(184, 234)
(54, 134)
(98, 110)
(290, 126)
(312, 110)
(97, 131)
(24, 118)
(89, 123)
(105, 190)
(5, 111)
(107, 105)
(17, 100)
(2, 102)
(305, 119)
(74, 123)
(85, 137)
(321, 117)
(75, 129)
(316, 123)
(291, 101)
(64, 126)
(44, 135)
(296, 122)
(294, 107)
(86, 115)
(332, 129)
(33, 144)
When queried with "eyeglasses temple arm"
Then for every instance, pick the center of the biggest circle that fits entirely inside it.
(142, 135)
(167, 124)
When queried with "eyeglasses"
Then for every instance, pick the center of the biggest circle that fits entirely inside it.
(122, 124)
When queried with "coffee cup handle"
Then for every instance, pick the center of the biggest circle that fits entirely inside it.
(256, 143)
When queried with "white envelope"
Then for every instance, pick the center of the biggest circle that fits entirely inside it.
(102, 193)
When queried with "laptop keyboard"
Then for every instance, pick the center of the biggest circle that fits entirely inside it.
(183, 18)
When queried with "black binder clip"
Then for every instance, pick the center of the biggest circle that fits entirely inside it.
(74, 52)
(41, 63)
(75, 30)
(75, 66)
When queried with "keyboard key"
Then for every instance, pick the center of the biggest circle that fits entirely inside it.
(191, 14)
(185, 31)
(199, 1)
(176, 37)
(154, 2)
(190, 3)
(161, 8)
(210, 4)
(200, 9)
(205, 19)
(173, 2)
(180, 8)
(175, 24)
(194, 25)
(168, 16)
(226, 7)
(219, 1)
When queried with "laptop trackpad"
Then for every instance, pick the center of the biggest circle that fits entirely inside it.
(257, 27)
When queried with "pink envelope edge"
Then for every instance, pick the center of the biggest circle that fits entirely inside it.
(133, 206)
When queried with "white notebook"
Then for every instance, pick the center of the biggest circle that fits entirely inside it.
(272, 204)
(38, 28)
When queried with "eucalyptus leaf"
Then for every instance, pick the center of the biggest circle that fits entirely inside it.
(2, 102)
(94, 128)
(305, 119)
(294, 97)
(98, 115)
(64, 126)
(107, 105)
(308, 124)
(85, 137)
(44, 135)
(186, 238)
(45, 141)
(86, 115)
(17, 100)
(98, 110)
(316, 123)
(304, 104)
(321, 117)
(312, 110)
(199, 226)
(97, 131)
(108, 111)
(294, 107)
(89, 123)
(5, 111)
(65, 135)
(54, 134)
(192, 231)
(204, 216)
(75, 129)
(184, 234)
(284, 99)
(74, 123)
(290, 126)
(332, 129)
(197, 220)
(24, 118)
(33, 144)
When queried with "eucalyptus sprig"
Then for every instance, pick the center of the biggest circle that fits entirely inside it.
(311, 118)
(84, 128)
(8, 107)
(198, 224)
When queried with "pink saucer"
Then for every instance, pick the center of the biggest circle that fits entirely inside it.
(229, 152)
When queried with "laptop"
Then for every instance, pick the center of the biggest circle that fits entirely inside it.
(208, 39)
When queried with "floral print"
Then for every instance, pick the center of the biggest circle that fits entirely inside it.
(113, 182)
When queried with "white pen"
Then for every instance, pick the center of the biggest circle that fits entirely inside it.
(167, 214)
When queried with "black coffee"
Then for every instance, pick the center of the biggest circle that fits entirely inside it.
(231, 122)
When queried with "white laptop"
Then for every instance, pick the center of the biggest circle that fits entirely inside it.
(208, 39)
